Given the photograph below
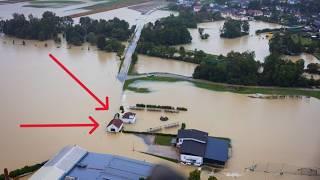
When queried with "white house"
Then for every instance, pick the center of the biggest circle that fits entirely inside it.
(115, 125)
(129, 117)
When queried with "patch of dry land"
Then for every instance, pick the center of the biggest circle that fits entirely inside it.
(109, 5)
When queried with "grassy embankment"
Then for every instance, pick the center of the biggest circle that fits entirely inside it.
(145, 90)
(225, 87)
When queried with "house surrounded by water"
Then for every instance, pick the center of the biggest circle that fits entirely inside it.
(197, 148)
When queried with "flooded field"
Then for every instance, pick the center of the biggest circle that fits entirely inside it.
(36, 90)
(273, 132)
(217, 45)
(147, 64)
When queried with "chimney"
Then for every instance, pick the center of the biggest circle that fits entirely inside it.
(6, 174)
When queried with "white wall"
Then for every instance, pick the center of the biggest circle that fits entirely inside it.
(109, 128)
(191, 160)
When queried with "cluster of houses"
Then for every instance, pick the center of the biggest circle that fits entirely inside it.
(197, 148)
(116, 124)
(239, 9)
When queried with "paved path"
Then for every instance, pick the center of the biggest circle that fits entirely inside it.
(122, 76)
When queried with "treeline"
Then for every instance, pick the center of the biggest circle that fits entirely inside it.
(90, 29)
(192, 18)
(293, 43)
(24, 170)
(181, 54)
(242, 69)
(234, 28)
(268, 30)
(43, 28)
(107, 33)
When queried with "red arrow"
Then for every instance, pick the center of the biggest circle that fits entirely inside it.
(104, 106)
(94, 125)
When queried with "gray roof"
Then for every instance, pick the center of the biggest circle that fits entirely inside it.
(60, 164)
(192, 133)
(104, 166)
(217, 149)
(193, 148)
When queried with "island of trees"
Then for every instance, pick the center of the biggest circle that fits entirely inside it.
(234, 28)
(107, 35)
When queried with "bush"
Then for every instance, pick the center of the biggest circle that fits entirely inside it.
(183, 126)
(212, 178)
(141, 105)
(182, 109)
(194, 175)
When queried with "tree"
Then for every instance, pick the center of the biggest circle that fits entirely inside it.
(313, 68)
(183, 126)
(245, 27)
(234, 28)
(282, 72)
(212, 178)
(254, 4)
(101, 42)
(92, 38)
(194, 175)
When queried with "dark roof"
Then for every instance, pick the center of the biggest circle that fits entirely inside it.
(192, 133)
(128, 114)
(193, 148)
(217, 149)
(116, 122)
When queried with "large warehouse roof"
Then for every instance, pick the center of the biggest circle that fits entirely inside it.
(60, 164)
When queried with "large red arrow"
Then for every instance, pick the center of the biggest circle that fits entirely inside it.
(94, 125)
(104, 106)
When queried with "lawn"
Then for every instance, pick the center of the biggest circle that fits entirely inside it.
(163, 140)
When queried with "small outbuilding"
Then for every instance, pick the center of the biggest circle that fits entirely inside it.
(129, 117)
(115, 125)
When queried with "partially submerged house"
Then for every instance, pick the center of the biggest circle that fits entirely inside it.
(115, 125)
(197, 148)
(129, 117)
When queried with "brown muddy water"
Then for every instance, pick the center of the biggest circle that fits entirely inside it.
(35, 90)
(257, 43)
(147, 64)
(274, 134)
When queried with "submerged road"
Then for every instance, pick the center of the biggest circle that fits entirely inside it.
(122, 76)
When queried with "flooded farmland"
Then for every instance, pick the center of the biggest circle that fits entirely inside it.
(262, 131)
(271, 133)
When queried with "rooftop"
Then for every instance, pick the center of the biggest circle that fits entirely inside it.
(77, 163)
(192, 133)
(217, 149)
(116, 122)
(104, 166)
(193, 148)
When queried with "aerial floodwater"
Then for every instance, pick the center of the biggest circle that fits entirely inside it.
(277, 134)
